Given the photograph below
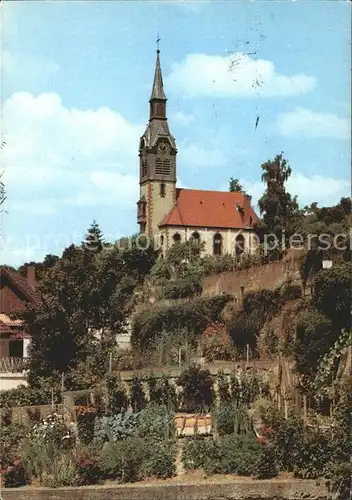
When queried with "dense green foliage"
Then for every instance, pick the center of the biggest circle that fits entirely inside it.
(232, 454)
(278, 207)
(245, 325)
(332, 294)
(197, 388)
(315, 334)
(195, 314)
(83, 292)
(235, 186)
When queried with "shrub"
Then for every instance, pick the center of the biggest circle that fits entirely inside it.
(266, 466)
(116, 427)
(117, 397)
(161, 460)
(239, 455)
(15, 475)
(85, 423)
(62, 473)
(268, 344)
(215, 343)
(315, 335)
(314, 454)
(225, 419)
(291, 292)
(194, 314)
(232, 454)
(138, 397)
(47, 452)
(286, 437)
(196, 451)
(87, 464)
(155, 423)
(162, 392)
(123, 460)
(28, 396)
(223, 384)
(197, 387)
(10, 441)
(54, 431)
(184, 287)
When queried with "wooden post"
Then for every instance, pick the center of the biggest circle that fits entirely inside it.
(110, 362)
(62, 387)
(305, 408)
(286, 408)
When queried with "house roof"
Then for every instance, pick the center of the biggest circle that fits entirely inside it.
(21, 283)
(10, 326)
(215, 209)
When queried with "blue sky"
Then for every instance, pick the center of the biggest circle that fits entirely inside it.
(76, 82)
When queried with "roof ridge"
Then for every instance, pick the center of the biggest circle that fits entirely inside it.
(22, 284)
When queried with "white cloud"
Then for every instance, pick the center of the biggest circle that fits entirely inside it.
(306, 123)
(324, 190)
(55, 156)
(236, 75)
(183, 118)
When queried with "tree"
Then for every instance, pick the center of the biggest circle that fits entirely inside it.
(315, 335)
(235, 186)
(332, 294)
(278, 207)
(94, 240)
(40, 267)
(86, 299)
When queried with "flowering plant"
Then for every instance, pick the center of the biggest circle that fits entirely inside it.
(215, 343)
(53, 429)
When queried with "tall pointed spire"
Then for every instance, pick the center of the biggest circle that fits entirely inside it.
(158, 88)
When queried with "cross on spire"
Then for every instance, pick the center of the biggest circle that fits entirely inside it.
(158, 38)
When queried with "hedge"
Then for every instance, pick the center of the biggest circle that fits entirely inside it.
(195, 315)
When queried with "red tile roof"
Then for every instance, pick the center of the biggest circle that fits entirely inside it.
(216, 209)
(21, 283)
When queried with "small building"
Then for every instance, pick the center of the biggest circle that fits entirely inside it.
(225, 221)
(15, 292)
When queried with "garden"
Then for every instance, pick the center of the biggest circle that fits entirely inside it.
(126, 436)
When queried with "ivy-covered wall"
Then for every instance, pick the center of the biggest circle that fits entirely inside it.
(269, 276)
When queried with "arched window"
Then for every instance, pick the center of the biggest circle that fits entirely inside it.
(162, 190)
(176, 238)
(239, 244)
(217, 244)
(162, 240)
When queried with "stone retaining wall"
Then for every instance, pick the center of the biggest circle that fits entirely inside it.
(205, 490)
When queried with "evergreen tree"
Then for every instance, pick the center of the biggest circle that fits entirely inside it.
(235, 186)
(94, 240)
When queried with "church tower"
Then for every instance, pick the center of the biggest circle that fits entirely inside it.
(157, 162)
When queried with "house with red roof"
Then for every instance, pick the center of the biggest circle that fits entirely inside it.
(15, 292)
(224, 221)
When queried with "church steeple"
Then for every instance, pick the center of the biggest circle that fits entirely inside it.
(157, 161)
(158, 97)
(158, 87)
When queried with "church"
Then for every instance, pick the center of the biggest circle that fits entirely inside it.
(224, 221)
